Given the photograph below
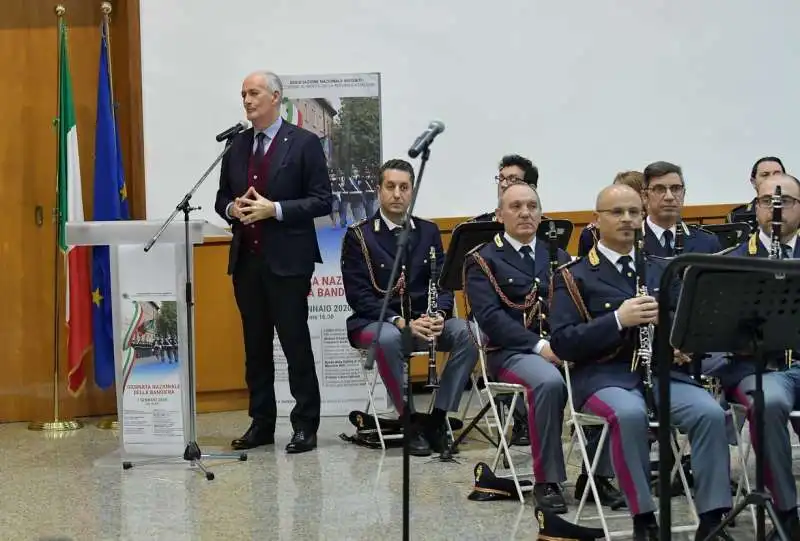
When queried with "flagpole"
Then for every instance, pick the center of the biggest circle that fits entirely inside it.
(110, 423)
(57, 425)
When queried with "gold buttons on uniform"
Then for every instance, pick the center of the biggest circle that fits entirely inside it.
(608, 305)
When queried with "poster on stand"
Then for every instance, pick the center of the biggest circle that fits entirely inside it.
(344, 111)
(152, 368)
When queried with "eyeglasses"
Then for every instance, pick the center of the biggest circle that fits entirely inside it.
(513, 179)
(660, 190)
(787, 201)
(618, 213)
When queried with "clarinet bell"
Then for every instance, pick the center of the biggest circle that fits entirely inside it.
(433, 376)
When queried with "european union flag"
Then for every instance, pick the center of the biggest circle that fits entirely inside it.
(110, 203)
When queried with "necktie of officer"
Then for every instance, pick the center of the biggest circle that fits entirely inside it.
(527, 257)
(628, 271)
(668, 236)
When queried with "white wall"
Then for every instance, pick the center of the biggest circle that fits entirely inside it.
(585, 89)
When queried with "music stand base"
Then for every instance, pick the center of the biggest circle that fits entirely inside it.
(195, 457)
(473, 424)
(763, 503)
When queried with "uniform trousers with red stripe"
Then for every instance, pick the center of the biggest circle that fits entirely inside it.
(694, 412)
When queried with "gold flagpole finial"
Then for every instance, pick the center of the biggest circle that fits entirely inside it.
(60, 10)
(105, 7)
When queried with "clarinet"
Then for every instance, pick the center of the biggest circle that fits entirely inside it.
(552, 247)
(433, 306)
(643, 354)
(775, 251)
(680, 231)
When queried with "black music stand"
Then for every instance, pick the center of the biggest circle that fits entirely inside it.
(562, 229)
(734, 310)
(465, 237)
(730, 234)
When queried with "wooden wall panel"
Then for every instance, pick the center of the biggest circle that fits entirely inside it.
(220, 352)
(28, 106)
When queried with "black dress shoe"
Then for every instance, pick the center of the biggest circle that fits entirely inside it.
(256, 435)
(302, 442)
(549, 496)
(645, 530)
(418, 445)
(610, 496)
(791, 527)
(705, 528)
(519, 434)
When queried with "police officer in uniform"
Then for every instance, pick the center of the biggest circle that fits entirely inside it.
(595, 319)
(589, 235)
(763, 168)
(782, 383)
(664, 192)
(368, 253)
(513, 168)
(507, 283)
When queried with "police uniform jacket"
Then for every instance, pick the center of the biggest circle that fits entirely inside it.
(368, 252)
(698, 240)
(600, 352)
(496, 276)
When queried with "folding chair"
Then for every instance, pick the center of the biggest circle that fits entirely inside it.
(493, 389)
(371, 379)
(579, 420)
(743, 486)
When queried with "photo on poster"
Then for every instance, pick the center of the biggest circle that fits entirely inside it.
(344, 111)
(150, 336)
(151, 373)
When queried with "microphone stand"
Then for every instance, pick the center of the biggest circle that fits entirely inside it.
(192, 452)
(402, 256)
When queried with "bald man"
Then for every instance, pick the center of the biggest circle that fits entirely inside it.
(595, 318)
(782, 383)
(507, 285)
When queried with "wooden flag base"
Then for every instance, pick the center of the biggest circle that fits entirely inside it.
(55, 426)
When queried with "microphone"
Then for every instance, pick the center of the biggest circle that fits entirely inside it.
(233, 130)
(423, 141)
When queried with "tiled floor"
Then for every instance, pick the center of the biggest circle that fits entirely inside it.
(73, 487)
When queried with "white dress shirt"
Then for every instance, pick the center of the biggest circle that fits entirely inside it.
(766, 240)
(613, 257)
(658, 231)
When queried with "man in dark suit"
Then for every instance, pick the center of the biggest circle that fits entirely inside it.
(782, 383)
(273, 183)
(763, 168)
(507, 285)
(368, 253)
(595, 319)
(664, 192)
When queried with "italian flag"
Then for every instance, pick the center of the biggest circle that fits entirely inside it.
(291, 113)
(70, 209)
